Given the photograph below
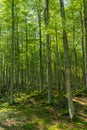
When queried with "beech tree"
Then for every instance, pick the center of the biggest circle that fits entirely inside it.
(67, 70)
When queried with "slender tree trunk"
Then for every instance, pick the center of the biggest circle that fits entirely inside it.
(0, 62)
(7, 72)
(3, 71)
(12, 58)
(49, 72)
(27, 60)
(40, 51)
(83, 50)
(18, 60)
(40, 48)
(85, 25)
(75, 59)
(57, 58)
(22, 64)
(67, 68)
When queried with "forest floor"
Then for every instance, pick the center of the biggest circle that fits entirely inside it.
(33, 113)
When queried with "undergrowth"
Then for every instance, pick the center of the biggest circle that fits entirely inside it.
(32, 112)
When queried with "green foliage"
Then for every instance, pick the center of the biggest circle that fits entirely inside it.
(27, 61)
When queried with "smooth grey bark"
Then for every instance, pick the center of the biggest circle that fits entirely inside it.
(67, 68)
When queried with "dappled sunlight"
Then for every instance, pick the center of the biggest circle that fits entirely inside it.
(9, 122)
(3, 110)
(82, 104)
(30, 114)
(83, 117)
(82, 101)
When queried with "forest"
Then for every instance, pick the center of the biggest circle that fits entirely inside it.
(43, 64)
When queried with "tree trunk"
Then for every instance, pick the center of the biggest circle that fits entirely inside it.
(57, 58)
(85, 25)
(40, 48)
(0, 62)
(18, 60)
(12, 58)
(75, 59)
(83, 50)
(67, 68)
(48, 43)
(27, 60)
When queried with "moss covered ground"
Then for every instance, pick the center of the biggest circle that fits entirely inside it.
(34, 113)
